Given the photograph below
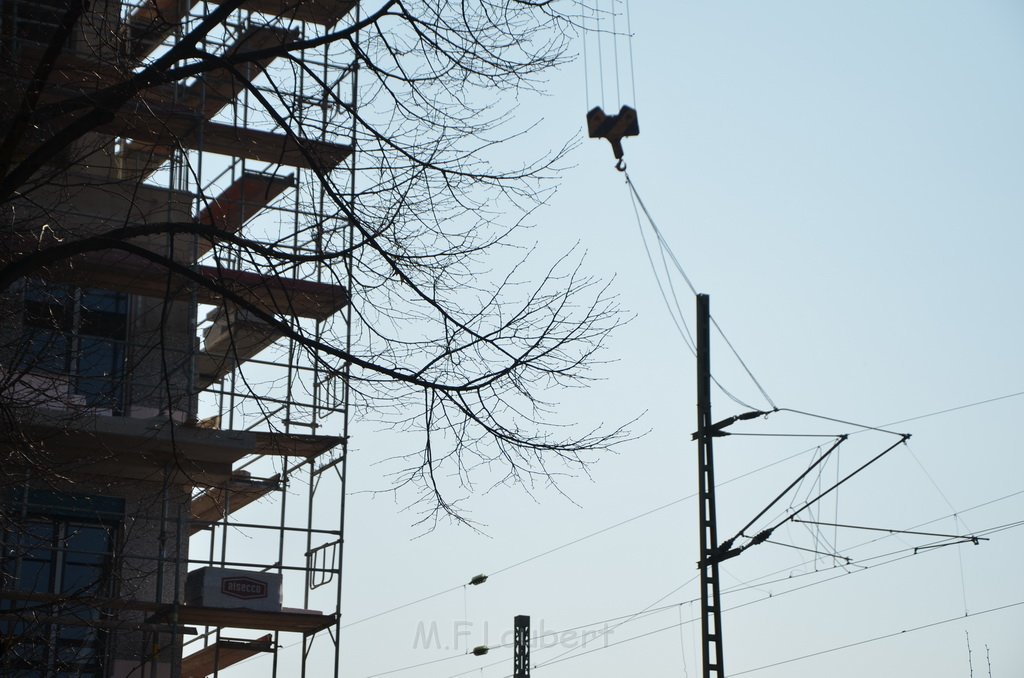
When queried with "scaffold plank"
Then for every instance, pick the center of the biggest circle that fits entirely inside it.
(215, 503)
(294, 621)
(130, 446)
(324, 12)
(154, 20)
(178, 127)
(151, 23)
(294, 445)
(209, 93)
(218, 87)
(243, 199)
(276, 295)
(222, 654)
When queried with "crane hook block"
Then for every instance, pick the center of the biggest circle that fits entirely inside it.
(613, 127)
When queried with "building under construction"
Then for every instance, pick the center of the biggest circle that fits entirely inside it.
(155, 372)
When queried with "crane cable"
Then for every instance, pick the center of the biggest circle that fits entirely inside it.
(611, 126)
(674, 309)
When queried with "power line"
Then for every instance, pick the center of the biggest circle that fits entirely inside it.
(755, 583)
(957, 408)
(861, 427)
(882, 427)
(652, 511)
(668, 505)
(888, 530)
(761, 581)
(882, 637)
(626, 620)
(772, 597)
(726, 482)
(580, 539)
(594, 534)
(402, 606)
(421, 664)
(649, 610)
(786, 661)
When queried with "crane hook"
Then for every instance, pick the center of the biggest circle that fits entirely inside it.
(613, 128)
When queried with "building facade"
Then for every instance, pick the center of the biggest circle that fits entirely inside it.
(156, 384)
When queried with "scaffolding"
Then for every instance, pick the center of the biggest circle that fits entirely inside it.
(228, 409)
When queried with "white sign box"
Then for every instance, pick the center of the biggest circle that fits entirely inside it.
(221, 587)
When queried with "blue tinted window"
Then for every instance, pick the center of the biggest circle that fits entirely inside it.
(81, 333)
(72, 558)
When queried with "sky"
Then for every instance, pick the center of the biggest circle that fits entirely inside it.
(844, 179)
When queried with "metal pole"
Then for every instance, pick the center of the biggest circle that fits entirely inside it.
(710, 602)
(521, 654)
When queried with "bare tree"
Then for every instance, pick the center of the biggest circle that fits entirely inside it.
(435, 332)
(397, 285)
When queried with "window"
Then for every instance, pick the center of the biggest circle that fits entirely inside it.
(58, 554)
(80, 333)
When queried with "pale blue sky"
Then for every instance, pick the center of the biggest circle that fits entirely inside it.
(845, 180)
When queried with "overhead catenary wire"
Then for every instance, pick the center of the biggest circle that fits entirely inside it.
(419, 665)
(793, 659)
(888, 530)
(908, 552)
(402, 606)
(957, 408)
(649, 610)
(628, 619)
(874, 639)
(578, 540)
(764, 580)
(637, 200)
(755, 584)
(844, 479)
(691, 496)
(861, 427)
(932, 481)
(821, 459)
(685, 498)
(648, 512)
(727, 550)
(816, 552)
(759, 600)
(834, 487)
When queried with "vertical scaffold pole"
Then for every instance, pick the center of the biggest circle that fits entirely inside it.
(710, 604)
